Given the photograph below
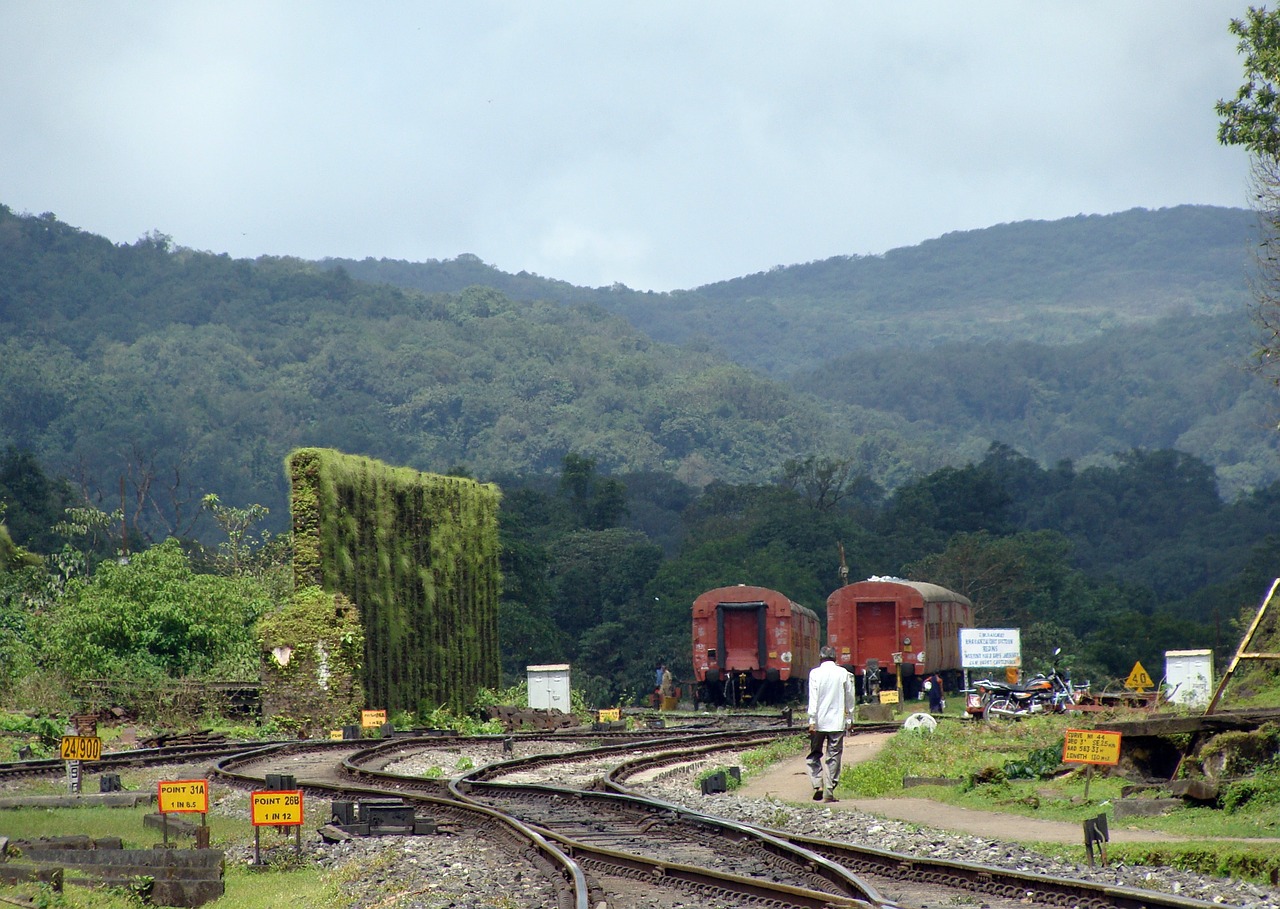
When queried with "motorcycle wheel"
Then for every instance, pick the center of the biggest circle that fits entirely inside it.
(999, 710)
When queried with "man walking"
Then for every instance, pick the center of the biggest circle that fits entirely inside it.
(831, 700)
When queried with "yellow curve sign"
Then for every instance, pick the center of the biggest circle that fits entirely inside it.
(1091, 746)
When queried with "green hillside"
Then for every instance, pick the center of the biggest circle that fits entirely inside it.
(1072, 339)
(637, 472)
(1046, 281)
(1178, 382)
(180, 372)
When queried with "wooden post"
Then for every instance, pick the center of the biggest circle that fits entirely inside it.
(1242, 652)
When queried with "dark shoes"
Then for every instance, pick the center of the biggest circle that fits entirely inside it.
(817, 795)
(829, 797)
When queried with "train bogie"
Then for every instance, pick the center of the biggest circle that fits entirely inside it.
(752, 645)
(901, 630)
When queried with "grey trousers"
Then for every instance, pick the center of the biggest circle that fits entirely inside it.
(825, 752)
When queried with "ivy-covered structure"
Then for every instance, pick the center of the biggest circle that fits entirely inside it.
(418, 555)
(312, 652)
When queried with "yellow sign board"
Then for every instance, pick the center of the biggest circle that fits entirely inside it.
(335, 734)
(81, 748)
(888, 697)
(371, 719)
(183, 795)
(281, 808)
(1091, 746)
(610, 714)
(1138, 679)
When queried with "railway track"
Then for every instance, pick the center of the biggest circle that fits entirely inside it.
(915, 881)
(564, 808)
(138, 757)
(712, 853)
(596, 830)
(321, 775)
(634, 838)
(884, 875)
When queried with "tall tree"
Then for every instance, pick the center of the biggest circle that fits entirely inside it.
(30, 501)
(1251, 120)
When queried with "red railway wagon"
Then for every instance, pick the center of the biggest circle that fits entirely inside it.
(752, 645)
(904, 628)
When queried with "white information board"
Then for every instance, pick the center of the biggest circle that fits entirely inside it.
(987, 648)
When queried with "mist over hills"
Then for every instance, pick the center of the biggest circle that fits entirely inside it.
(197, 373)
(1052, 282)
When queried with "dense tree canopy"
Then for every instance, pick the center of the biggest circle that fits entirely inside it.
(171, 372)
(1002, 411)
(1114, 563)
(1252, 120)
(152, 616)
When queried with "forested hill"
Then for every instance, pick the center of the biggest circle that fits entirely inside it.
(183, 373)
(173, 373)
(1054, 282)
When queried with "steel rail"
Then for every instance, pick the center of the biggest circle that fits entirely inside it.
(840, 888)
(1027, 886)
(724, 741)
(840, 884)
(164, 754)
(565, 874)
(994, 881)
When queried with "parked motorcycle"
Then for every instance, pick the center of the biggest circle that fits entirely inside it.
(1040, 694)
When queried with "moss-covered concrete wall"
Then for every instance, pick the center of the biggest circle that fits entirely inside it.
(418, 555)
(312, 657)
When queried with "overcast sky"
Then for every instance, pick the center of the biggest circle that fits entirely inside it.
(660, 145)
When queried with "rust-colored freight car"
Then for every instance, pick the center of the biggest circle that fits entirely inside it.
(752, 645)
(906, 628)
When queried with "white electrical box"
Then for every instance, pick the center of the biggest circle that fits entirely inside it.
(549, 687)
(1188, 676)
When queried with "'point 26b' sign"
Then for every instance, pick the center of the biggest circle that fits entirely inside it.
(987, 648)
(282, 808)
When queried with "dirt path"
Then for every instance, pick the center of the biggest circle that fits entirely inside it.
(788, 781)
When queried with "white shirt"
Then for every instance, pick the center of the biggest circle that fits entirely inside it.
(831, 697)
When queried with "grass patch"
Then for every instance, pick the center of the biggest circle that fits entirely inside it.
(126, 823)
(758, 759)
(282, 885)
(955, 751)
(988, 758)
(1258, 863)
(245, 889)
(985, 759)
